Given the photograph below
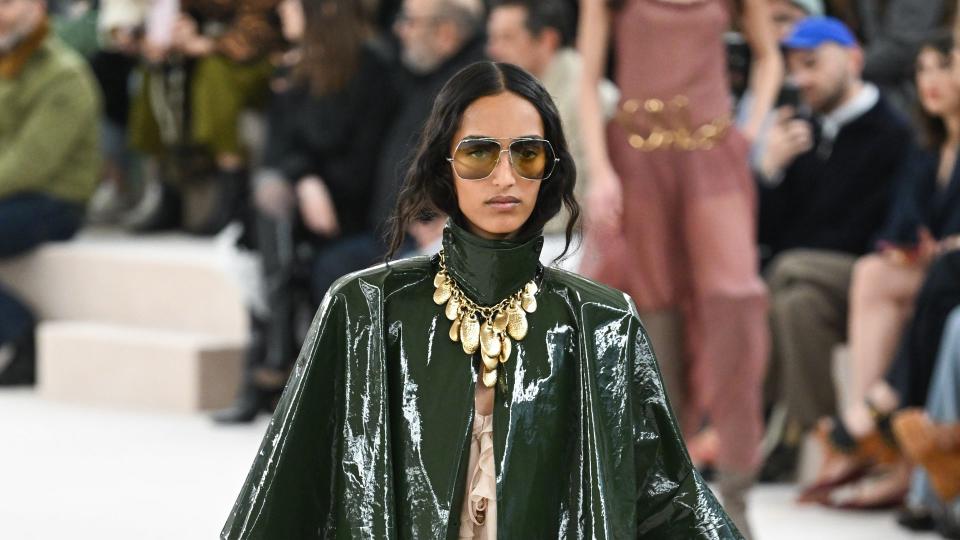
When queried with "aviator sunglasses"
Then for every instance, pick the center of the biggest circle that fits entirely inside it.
(531, 158)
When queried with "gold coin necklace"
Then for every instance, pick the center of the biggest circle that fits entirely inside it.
(488, 329)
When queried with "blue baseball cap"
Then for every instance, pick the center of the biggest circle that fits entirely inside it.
(812, 32)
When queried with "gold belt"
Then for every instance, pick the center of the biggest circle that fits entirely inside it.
(671, 126)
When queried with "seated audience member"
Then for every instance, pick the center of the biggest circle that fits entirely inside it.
(437, 39)
(119, 26)
(826, 179)
(49, 107)
(825, 192)
(891, 32)
(916, 356)
(326, 131)
(908, 383)
(224, 47)
(924, 222)
(535, 35)
(931, 439)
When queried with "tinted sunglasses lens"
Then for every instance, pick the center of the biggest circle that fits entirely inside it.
(476, 159)
(532, 159)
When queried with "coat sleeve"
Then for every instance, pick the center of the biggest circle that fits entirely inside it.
(321, 470)
(673, 500)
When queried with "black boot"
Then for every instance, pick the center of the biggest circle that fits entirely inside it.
(22, 368)
(947, 519)
(245, 409)
(261, 392)
(261, 385)
(915, 518)
(217, 202)
(159, 205)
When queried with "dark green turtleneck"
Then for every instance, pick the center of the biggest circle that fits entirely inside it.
(490, 270)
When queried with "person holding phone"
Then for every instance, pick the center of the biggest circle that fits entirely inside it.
(825, 196)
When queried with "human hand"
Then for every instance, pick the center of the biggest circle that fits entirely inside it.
(188, 40)
(749, 132)
(922, 254)
(124, 40)
(316, 207)
(604, 200)
(927, 246)
(184, 29)
(153, 53)
(197, 47)
(788, 138)
(292, 20)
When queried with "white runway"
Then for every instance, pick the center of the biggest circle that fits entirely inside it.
(77, 473)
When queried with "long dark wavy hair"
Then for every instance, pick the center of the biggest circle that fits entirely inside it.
(933, 130)
(332, 41)
(428, 188)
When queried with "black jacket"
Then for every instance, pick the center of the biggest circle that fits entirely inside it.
(417, 94)
(920, 203)
(837, 198)
(337, 137)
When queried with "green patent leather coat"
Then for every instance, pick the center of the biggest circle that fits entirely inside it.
(370, 439)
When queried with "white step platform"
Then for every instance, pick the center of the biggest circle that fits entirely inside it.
(112, 365)
(172, 282)
(157, 322)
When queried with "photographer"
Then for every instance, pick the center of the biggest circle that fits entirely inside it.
(825, 175)
(826, 181)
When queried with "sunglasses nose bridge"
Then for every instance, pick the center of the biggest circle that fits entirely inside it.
(496, 175)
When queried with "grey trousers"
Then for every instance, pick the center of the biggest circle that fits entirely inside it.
(808, 317)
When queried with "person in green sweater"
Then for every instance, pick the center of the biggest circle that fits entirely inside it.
(49, 157)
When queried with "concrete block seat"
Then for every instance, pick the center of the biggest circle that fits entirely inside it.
(136, 321)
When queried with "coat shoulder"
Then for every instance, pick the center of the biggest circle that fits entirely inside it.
(385, 276)
(589, 291)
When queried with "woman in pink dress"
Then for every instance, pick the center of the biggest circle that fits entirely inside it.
(673, 205)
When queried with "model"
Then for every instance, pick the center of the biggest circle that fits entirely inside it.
(476, 394)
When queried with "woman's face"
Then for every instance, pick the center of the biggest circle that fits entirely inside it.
(497, 206)
(938, 89)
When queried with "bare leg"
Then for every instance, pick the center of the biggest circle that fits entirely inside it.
(881, 299)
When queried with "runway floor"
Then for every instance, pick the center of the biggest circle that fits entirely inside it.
(77, 473)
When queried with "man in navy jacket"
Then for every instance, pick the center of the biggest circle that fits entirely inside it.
(826, 178)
